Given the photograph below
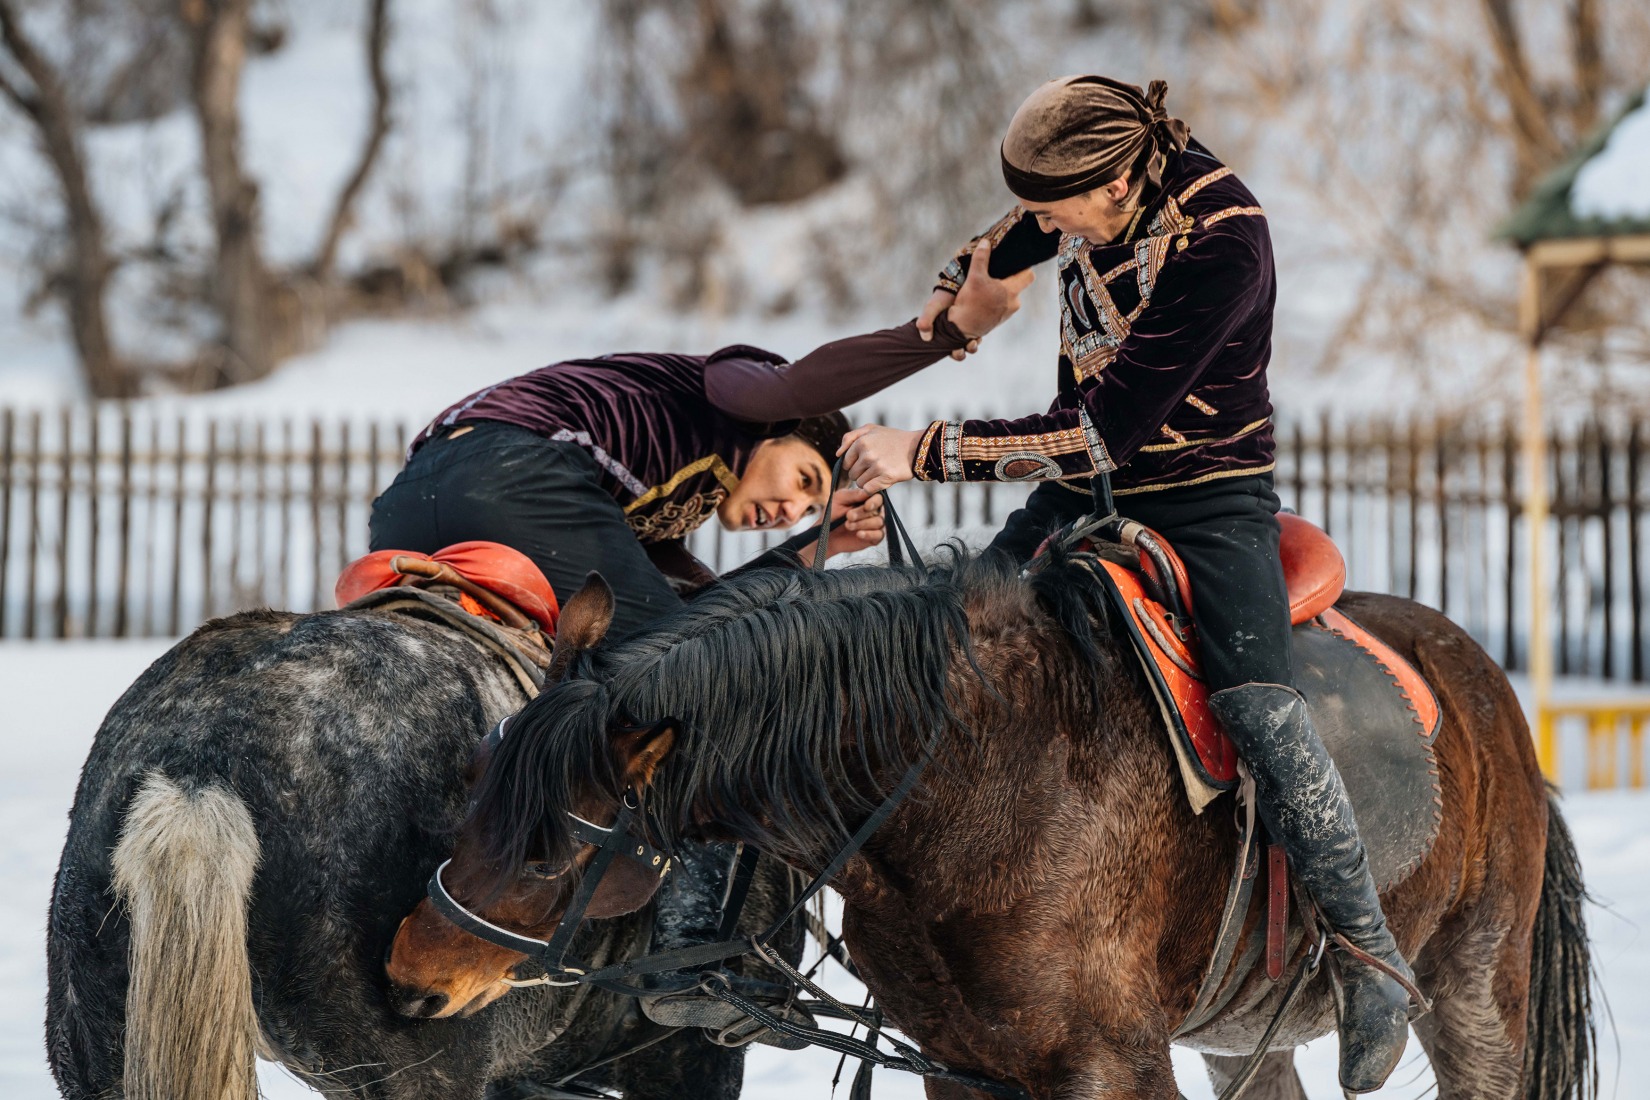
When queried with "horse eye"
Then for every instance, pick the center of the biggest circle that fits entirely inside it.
(542, 870)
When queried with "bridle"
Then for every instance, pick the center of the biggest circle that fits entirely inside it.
(625, 839)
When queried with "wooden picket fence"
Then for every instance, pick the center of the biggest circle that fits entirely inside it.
(120, 521)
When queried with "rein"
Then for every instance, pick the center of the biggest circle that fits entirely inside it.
(621, 839)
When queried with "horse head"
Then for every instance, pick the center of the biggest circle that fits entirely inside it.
(516, 864)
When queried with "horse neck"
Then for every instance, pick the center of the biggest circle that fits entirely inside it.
(1076, 785)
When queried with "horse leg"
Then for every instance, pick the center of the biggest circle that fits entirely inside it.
(1276, 1078)
(1474, 1035)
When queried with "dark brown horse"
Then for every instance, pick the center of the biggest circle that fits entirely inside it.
(1042, 911)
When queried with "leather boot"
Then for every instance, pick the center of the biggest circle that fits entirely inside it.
(1304, 805)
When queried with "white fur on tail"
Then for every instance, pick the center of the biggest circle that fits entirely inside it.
(184, 869)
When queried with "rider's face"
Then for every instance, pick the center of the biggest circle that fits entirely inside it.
(785, 481)
(1094, 215)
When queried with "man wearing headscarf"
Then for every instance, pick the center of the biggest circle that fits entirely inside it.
(1166, 296)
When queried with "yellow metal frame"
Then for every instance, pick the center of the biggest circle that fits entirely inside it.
(1556, 273)
(1603, 721)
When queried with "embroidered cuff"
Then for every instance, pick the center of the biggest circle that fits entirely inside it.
(951, 450)
(977, 450)
(951, 276)
(924, 465)
(1098, 455)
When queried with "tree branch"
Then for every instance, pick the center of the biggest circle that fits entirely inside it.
(1589, 64)
(84, 283)
(343, 211)
(1538, 146)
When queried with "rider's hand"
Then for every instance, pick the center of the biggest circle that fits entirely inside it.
(984, 302)
(938, 303)
(877, 457)
(862, 527)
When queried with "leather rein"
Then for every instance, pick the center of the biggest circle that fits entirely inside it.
(626, 839)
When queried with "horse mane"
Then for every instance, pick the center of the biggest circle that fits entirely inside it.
(759, 677)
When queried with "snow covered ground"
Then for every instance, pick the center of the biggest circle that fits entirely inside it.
(56, 694)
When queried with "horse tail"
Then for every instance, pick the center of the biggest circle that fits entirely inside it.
(1560, 1045)
(184, 868)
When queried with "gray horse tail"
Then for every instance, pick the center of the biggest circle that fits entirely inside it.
(184, 869)
(1560, 1050)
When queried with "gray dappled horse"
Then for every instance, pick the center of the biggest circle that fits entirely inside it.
(258, 812)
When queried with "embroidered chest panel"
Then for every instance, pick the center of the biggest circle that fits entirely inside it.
(674, 519)
(1104, 290)
(682, 502)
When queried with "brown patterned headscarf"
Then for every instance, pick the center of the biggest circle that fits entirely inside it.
(1081, 132)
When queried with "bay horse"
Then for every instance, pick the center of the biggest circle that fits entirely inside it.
(256, 813)
(1040, 912)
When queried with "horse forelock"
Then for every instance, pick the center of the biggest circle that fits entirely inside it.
(760, 678)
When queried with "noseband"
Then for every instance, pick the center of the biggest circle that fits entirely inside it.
(620, 839)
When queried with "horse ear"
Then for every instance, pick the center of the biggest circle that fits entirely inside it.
(583, 623)
(639, 753)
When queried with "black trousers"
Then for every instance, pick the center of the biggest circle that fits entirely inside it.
(1226, 532)
(506, 484)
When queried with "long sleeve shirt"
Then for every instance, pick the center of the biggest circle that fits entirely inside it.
(1165, 335)
(672, 434)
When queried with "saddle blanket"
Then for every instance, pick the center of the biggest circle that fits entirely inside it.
(1376, 715)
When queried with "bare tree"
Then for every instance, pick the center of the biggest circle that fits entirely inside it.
(343, 210)
(241, 284)
(85, 277)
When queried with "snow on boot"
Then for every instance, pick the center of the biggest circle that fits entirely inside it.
(1305, 808)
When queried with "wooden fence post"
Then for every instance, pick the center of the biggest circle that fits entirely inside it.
(8, 425)
(1635, 551)
(65, 488)
(123, 586)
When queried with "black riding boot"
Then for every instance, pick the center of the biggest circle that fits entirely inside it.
(1305, 807)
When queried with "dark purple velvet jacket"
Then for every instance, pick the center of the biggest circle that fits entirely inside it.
(673, 434)
(667, 454)
(1165, 337)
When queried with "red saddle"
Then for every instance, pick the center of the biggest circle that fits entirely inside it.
(494, 581)
(1166, 639)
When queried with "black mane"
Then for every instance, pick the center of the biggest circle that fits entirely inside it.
(761, 675)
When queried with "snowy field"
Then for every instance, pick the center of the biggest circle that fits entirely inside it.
(55, 695)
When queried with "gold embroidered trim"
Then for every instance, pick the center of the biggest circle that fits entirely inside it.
(676, 519)
(1179, 440)
(927, 441)
(990, 448)
(1184, 443)
(1232, 212)
(1201, 405)
(1245, 472)
(1201, 182)
(713, 463)
(951, 278)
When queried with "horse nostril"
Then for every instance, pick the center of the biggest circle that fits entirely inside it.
(409, 1003)
(429, 1006)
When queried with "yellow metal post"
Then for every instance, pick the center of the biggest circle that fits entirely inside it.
(1536, 509)
(1635, 750)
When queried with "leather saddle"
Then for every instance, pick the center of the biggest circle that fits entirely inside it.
(486, 589)
(1375, 713)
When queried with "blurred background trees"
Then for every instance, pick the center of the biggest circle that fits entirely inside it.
(761, 156)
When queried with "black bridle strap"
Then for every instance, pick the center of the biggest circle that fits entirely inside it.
(698, 955)
(851, 849)
(618, 833)
(448, 907)
(739, 888)
(896, 552)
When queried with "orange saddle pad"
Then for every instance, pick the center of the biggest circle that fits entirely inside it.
(488, 573)
(1167, 645)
